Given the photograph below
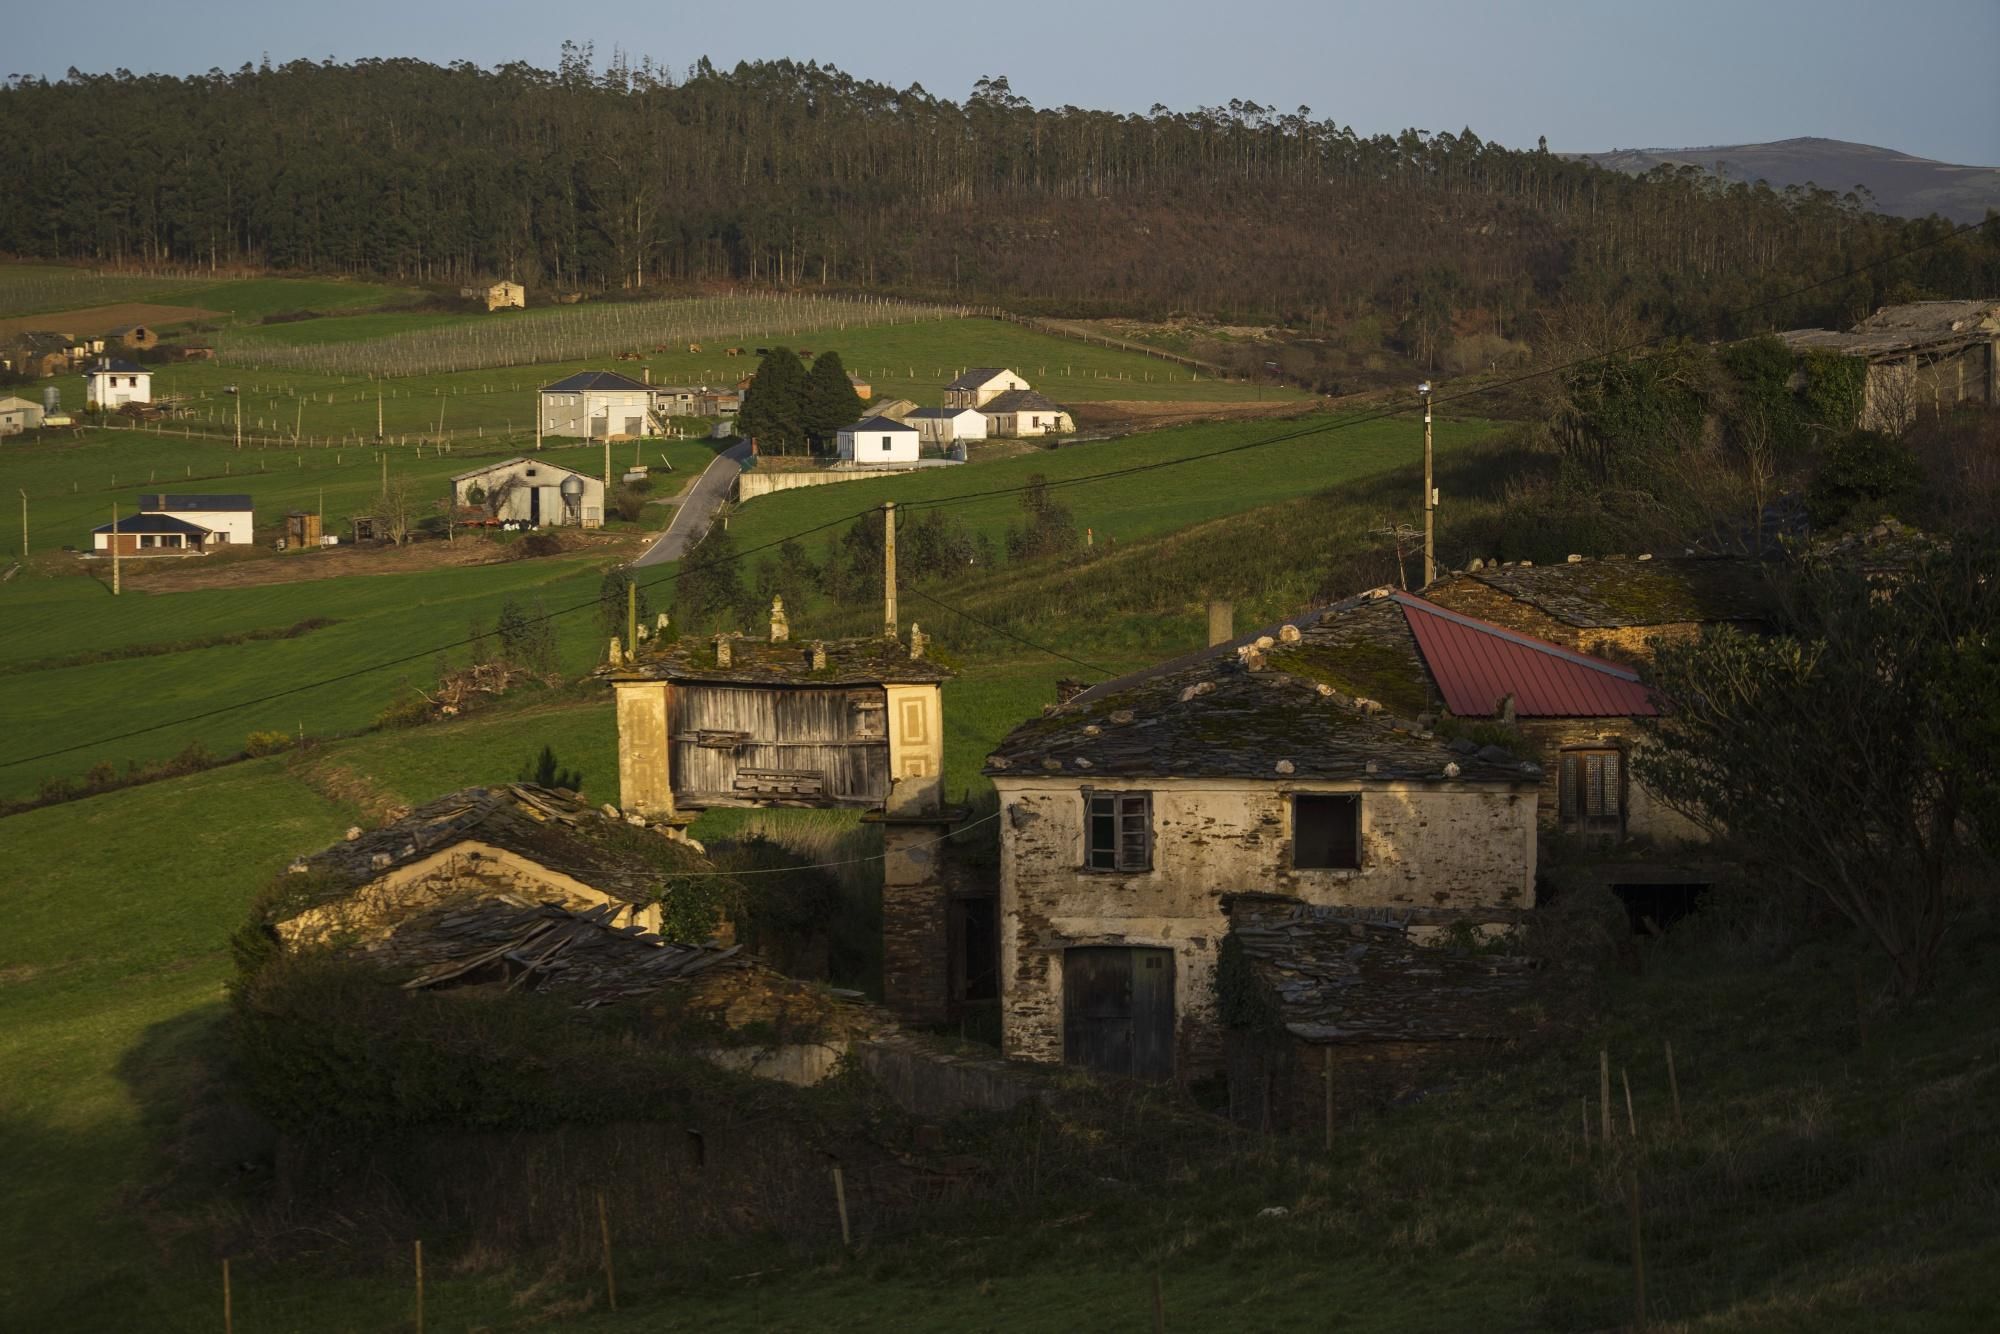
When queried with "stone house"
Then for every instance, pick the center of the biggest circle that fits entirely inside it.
(1328, 1009)
(1130, 811)
(497, 296)
(946, 426)
(735, 721)
(532, 491)
(595, 405)
(980, 386)
(1921, 356)
(1614, 606)
(133, 335)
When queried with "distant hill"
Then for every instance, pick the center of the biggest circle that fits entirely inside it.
(1904, 186)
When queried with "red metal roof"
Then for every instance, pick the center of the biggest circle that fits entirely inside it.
(1475, 664)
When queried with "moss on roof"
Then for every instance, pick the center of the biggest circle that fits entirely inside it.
(1612, 593)
(873, 660)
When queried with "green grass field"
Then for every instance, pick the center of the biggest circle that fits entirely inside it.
(33, 289)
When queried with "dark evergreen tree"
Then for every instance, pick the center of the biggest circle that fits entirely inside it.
(830, 400)
(546, 771)
(709, 594)
(774, 406)
(612, 601)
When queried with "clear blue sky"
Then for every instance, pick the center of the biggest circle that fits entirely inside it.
(1916, 75)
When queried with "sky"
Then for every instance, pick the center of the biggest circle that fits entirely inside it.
(1914, 75)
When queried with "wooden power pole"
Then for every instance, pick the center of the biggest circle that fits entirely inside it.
(24, 523)
(889, 568)
(114, 549)
(1430, 494)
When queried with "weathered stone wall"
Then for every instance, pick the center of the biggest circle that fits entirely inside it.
(1422, 847)
(915, 947)
(644, 783)
(755, 483)
(1646, 816)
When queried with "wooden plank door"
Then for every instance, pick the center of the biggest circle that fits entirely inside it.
(1118, 1010)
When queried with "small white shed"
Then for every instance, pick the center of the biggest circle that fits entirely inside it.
(873, 441)
(945, 426)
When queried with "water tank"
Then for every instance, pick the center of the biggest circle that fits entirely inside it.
(51, 399)
(572, 488)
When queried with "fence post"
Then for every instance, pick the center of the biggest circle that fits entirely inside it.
(420, 1286)
(1159, 1306)
(604, 1230)
(1631, 1121)
(228, 1315)
(1674, 1084)
(1326, 1072)
(1638, 1254)
(840, 1199)
(1604, 1095)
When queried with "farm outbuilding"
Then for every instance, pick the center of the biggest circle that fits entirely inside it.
(114, 382)
(498, 296)
(874, 441)
(133, 335)
(1024, 412)
(596, 405)
(945, 426)
(1921, 356)
(532, 491)
(18, 415)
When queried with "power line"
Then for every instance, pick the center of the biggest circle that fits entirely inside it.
(1001, 630)
(943, 502)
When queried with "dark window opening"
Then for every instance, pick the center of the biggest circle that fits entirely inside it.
(1593, 792)
(1653, 908)
(1326, 832)
(1119, 831)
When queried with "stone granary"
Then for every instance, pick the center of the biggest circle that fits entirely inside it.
(858, 723)
(1921, 356)
(1128, 813)
(1329, 1008)
(518, 846)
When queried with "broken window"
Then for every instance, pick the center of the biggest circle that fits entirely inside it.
(1118, 834)
(1326, 832)
(1593, 791)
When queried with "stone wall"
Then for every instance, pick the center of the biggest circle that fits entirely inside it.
(1646, 817)
(1450, 847)
(915, 948)
(756, 482)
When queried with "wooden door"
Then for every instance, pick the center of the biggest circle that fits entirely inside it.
(1118, 1010)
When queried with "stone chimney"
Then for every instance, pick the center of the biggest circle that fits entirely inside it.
(819, 655)
(722, 650)
(916, 641)
(1504, 710)
(1221, 623)
(617, 651)
(781, 629)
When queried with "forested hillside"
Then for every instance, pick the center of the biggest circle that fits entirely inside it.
(782, 173)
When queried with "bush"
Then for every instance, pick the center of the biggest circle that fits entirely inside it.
(405, 711)
(629, 504)
(1863, 474)
(266, 743)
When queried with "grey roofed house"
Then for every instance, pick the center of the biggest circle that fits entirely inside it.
(1020, 400)
(584, 381)
(204, 504)
(114, 366)
(1230, 712)
(153, 523)
(880, 424)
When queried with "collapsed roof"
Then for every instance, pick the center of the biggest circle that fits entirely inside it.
(1615, 592)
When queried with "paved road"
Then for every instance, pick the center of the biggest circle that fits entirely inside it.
(698, 507)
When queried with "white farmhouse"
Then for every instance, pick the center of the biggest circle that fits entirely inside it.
(1023, 412)
(877, 440)
(595, 405)
(532, 491)
(945, 426)
(980, 385)
(114, 382)
(229, 519)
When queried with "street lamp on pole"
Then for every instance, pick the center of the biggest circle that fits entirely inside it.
(1430, 493)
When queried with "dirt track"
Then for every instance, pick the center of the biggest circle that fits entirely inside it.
(100, 319)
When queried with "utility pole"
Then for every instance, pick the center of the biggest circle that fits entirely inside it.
(607, 465)
(1430, 494)
(114, 549)
(24, 523)
(239, 414)
(889, 568)
(378, 416)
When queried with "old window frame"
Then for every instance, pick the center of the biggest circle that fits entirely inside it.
(1590, 790)
(1353, 801)
(1124, 845)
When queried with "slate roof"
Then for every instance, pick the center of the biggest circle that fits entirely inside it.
(115, 365)
(153, 523)
(941, 413)
(1909, 327)
(204, 503)
(976, 377)
(878, 660)
(549, 828)
(1610, 593)
(583, 381)
(879, 424)
(1475, 663)
(1021, 400)
(1235, 711)
(1341, 975)
(483, 469)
